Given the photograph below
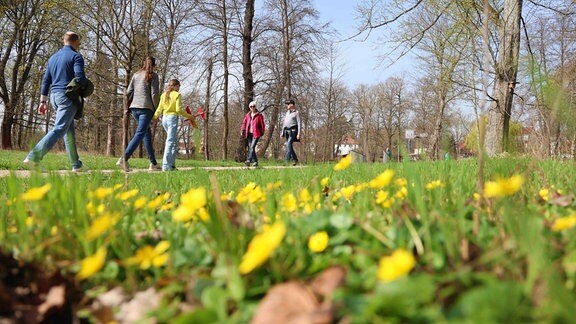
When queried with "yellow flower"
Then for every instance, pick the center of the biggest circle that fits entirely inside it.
(343, 163)
(261, 247)
(140, 202)
(183, 214)
(544, 194)
(167, 206)
(101, 193)
(101, 225)
(382, 180)
(401, 182)
(318, 242)
(227, 196)
(397, 265)
(35, 194)
(251, 193)
(402, 193)
(273, 185)
(158, 201)
(324, 181)
(476, 196)
(503, 187)
(127, 194)
(148, 256)
(203, 214)
(348, 192)
(92, 264)
(288, 203)
(383, 198)
(190, 203)
(118, 186)
(54, 230)
(564, 223)
(434, 184)
(29, 221)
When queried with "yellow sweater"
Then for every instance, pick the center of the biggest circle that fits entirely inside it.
(172, 107)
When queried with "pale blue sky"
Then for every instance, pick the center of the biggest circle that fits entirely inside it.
(362, 64)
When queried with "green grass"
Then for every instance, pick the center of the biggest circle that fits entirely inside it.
(492, 260)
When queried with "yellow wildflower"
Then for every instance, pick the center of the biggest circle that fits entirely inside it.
(544, 194)
(251, 193)
(402, 193)
(29, 221)
(348, 192)
(37, 193)
(127, 194)
(324, 181)
(382, 180)
(148, 256)
(383, 198)
(401, 182)
(92, 264)
(476, 196)
(102, 224)
(318, 242)
(158, 201)
(191, 202)
(434, 184)
(54, 230)
(227, 196)
(503, 187)
(288, 203)
(140, 202)
(118, 186)
(273, 185)
(261, 247)
(167, 206)
(101, 193)
(183, 214)
(564, 223)
(343, 163)
(203, 214)
(397, 265)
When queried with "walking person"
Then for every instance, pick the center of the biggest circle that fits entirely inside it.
(291, 130)
(143, 92)
(63, 67)
(252, 129)
(170, 107)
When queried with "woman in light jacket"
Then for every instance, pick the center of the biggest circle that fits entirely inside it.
(143, 92)
(252, 129)
(170, 108)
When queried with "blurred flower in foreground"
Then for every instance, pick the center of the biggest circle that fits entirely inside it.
(564, 223)
(158, 201)
(251, 193)
(544, 193)
(397, 265)
(92, 264)
(343, 163)
(382, 180)
(288, 203)
(383, 199)
(434, 184)
(127, 194)
(37, 193)
(150, 256)
(503, 187)
(190, 203)
(261, 247)
(101, 192)
(102, 224)
(318, 242)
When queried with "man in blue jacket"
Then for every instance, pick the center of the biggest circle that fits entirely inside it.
(63, 66)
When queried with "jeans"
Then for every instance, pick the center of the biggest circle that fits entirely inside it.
(252, 151)
(143, 133)
(170, 123)
(63, 128)
(290, 153)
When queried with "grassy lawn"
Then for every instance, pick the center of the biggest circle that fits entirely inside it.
(397, 242)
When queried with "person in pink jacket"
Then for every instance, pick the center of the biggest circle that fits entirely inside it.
(252, 129)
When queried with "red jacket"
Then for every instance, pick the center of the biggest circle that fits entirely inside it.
(258, 126)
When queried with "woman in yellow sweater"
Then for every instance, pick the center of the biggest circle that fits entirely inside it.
(171, 108)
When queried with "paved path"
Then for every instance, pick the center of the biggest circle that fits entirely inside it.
(26, 173)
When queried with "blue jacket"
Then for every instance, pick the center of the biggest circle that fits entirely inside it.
(63, 66)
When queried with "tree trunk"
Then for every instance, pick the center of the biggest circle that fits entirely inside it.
(248, 94)
(207, 108)
(497, 130)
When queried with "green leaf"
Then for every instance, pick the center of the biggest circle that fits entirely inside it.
(215, 298)
(201, 315)
(341, 221)
(236, 285)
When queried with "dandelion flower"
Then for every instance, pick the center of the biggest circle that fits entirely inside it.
(101, 225)
(564, 223)
(503, 187)
(395, 266)
(158, 201)
(288, 203)
(148, 256)
(544, 194)
(434, 184)
(261, 247)
(101, 193)
(127, 194)
(318, 242)
(35, 194)
(382, 180)
(343, 163)
(140, 202)
(92, 264)
(324, 181)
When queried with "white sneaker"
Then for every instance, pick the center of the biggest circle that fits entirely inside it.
(154, 167)
(120, 164)
(80, 169)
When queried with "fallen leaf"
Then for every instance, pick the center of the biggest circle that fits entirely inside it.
(55, 298)
(328, 281)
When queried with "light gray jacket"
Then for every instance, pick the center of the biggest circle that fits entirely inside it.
(143, 94)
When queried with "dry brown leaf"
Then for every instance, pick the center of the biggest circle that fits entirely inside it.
(562, 201)
(55, 298)
(290, 302)
(137, 309)
(328, 281)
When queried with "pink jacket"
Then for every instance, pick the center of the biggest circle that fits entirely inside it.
(258, 126)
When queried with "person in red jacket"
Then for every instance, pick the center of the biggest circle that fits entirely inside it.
(252, 129)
